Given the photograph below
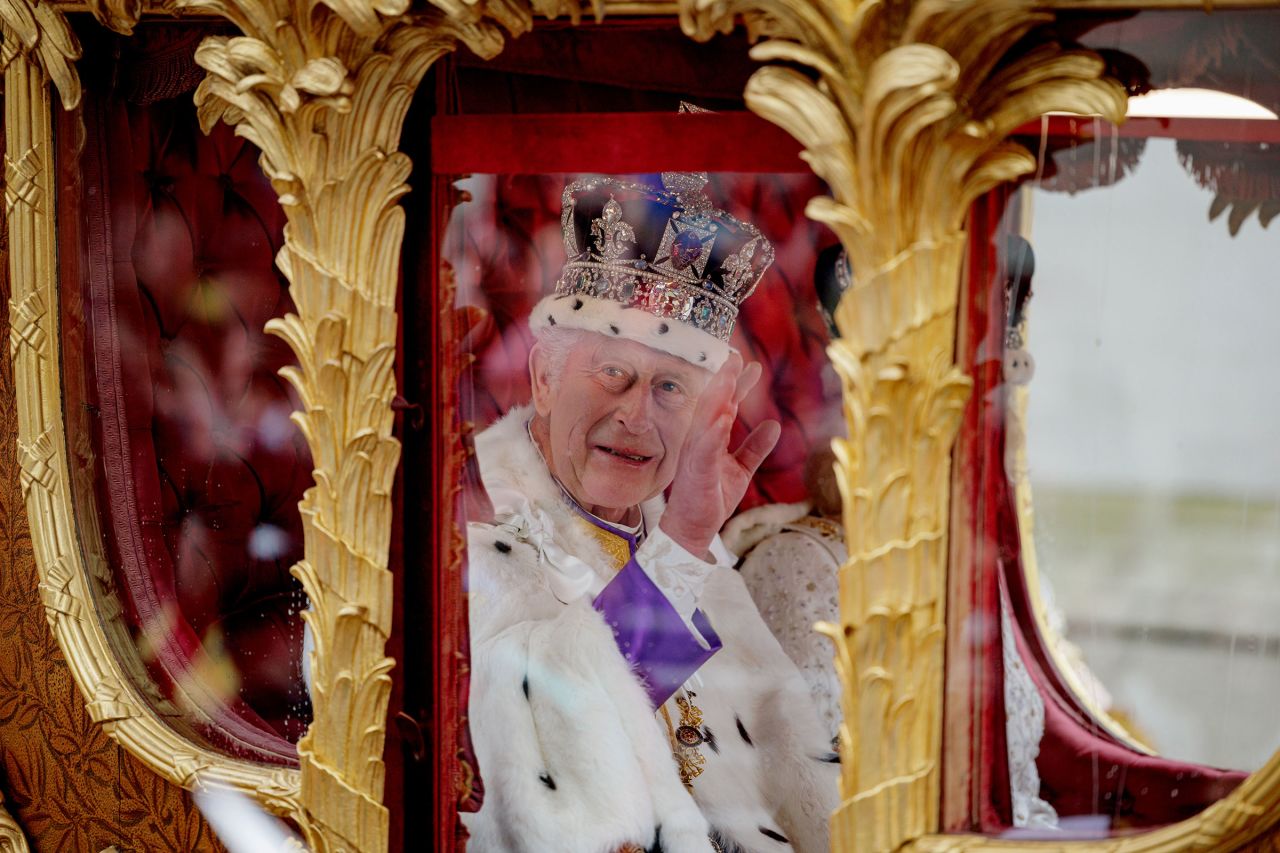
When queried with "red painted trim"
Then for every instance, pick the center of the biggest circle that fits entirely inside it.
(616, 143)
(975, 782)
(1084, 128)
(451, 644)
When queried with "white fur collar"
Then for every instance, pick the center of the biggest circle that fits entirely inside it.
(510, 462)
(747, 529)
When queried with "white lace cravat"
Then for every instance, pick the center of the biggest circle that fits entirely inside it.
(1024, 727)
(570, 578)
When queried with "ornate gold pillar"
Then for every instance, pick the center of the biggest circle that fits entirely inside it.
(906, 116)
(322, 89)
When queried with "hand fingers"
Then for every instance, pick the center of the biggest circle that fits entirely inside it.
(747, 380)
(717, 393)
(757, 446)
(711, 438)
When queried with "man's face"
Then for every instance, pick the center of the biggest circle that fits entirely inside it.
(615, 419)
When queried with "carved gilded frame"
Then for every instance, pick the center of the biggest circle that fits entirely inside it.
(905, 114)
(75, 587)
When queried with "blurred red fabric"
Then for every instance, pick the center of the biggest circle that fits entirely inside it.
(201, 465)
(505, 247)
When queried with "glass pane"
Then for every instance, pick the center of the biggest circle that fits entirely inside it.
(1150, 451)
(190, 470)
(593, 609)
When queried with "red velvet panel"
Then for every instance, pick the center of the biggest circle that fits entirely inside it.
(617, 65)
(975, 772)
(201, 468)
(606, 143)
(1084, 770)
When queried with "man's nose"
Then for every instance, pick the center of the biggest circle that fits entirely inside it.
(635, 409)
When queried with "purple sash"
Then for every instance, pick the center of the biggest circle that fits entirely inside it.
(650, 633)
(648, 630)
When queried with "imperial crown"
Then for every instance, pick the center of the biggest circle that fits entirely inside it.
(664, 250)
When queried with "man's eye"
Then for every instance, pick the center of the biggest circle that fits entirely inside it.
(670, 388)
(613, 372)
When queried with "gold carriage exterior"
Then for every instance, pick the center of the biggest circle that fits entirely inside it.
(905, 110)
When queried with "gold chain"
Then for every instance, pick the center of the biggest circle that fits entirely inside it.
(686, 739)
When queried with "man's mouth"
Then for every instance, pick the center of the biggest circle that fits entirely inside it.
(636, 458)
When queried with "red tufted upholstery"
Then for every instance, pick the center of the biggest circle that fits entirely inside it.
(507, 251)
(203, 469)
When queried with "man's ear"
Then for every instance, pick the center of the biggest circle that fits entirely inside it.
(540, 380)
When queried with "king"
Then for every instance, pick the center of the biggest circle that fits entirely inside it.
(626, 694)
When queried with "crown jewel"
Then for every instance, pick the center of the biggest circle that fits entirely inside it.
(666, 250)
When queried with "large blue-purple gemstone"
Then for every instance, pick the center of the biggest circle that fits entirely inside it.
(686, 249)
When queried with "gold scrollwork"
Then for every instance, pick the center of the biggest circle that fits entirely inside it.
(12, 838)
(107, 682)
(38, 30)
(905, 114)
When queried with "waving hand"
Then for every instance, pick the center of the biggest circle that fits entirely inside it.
(710, 479)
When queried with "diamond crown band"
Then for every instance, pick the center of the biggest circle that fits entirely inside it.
(666, 250)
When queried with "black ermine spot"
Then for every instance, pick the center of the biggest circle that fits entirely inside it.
(545, 778)
(742, 730)
(503, 547)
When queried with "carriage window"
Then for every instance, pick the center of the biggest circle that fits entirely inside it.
(188, 469)
(1149, 440)
(633, 297)
(1128, 492)
(602, 312)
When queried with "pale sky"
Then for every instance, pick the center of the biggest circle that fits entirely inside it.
(1156, 337)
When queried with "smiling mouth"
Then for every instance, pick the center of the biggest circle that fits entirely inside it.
(628, 457)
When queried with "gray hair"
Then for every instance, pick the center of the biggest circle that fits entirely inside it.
(556, 342)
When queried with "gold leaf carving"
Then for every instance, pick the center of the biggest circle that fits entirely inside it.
(20, 184)
(905, 115)
(84, 628)
(325, 104)
(55, 592)
(12, 839)
(110, 702)
(189, 768)
(36, 459)
(25, 324)
(38, 30)
(118, 15)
